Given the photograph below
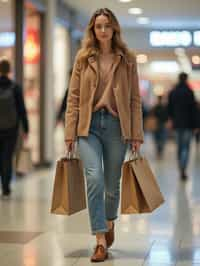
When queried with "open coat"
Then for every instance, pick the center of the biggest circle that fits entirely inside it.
(84, 81)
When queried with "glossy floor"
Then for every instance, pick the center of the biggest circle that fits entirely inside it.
(31, 236)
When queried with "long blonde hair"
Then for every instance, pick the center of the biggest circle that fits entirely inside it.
(90, 45)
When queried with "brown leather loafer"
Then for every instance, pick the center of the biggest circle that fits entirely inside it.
(110, 236)
(100, 254)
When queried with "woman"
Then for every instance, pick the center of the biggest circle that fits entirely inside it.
(104, 115)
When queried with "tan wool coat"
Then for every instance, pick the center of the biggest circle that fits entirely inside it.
(83, 83)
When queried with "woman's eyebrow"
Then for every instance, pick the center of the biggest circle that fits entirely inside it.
(99, 23)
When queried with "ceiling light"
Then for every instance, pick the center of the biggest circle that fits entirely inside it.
(196, 60)
(125, 1)
(142, 58)
(135, 11)
(143, 20)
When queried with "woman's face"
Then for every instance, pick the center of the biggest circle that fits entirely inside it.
(103, 29)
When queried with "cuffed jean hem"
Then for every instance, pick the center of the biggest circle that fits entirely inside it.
(111, 219)
(94, 232)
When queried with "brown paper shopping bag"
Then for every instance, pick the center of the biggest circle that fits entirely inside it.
(69, 188)
(24, 162)
(140, 191)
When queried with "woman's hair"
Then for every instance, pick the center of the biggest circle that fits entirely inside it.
(90, 44)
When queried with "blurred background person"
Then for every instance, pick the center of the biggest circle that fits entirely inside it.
(159, 111)
(145, 112)
(63, 106)
(197, 131)
(182, 114)
(12, 112)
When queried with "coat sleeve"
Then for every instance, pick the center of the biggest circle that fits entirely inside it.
(21, 109)
(136, 104)
(72, 112)
(62, 107)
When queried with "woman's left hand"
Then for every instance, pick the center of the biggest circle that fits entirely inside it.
(136, 145)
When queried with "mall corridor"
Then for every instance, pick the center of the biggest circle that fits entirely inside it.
(30, 235)
(99, 72)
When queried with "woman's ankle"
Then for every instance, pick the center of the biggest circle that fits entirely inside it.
(110, 224)
(100, 238)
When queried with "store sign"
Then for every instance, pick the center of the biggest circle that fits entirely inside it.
(182, 38)
(32, 47)
(7, 39)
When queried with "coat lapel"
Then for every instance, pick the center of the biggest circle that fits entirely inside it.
(93, 63)
(116, 63)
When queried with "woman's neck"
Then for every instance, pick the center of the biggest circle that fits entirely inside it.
(105, 48)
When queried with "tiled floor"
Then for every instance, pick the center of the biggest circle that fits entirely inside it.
(17, 237)
(31, 236)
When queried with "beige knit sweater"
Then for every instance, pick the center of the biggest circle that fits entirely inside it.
(104, 97)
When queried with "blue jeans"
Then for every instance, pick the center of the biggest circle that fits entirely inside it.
(102, 154)
(184, 137)
(160, 139)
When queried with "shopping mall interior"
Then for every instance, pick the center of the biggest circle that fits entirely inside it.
(41, 38)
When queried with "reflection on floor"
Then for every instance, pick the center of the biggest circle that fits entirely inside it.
(31, 236)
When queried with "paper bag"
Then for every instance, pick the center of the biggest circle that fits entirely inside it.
(69, 187)
(24, 162)
(140, 191)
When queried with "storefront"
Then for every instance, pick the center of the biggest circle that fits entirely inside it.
(67, 35)
(37, 36)
(32, 76)
(20, 43)
(7, 32)
(62, 65)
(161, 56)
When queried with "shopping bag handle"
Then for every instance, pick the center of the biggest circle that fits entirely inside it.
(134, 155)
(70, 155)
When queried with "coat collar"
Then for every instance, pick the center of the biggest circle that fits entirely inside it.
(94, 54)
(92, 60)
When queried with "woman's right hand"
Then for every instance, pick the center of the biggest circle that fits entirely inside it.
(70, 145)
